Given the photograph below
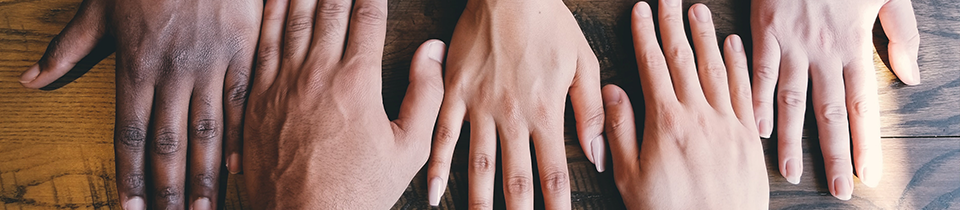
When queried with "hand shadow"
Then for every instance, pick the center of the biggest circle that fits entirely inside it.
(104, 48)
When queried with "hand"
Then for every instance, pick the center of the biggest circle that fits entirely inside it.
(317, 136)
(700, 149)
(829, 41)
(182, 72)
(510, 66)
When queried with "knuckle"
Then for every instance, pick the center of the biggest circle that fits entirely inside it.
(206, 130)
(267, 55)
(445, 136)
(167, 143)
(792, 99)
(482, 163)
(132, 137)
(333, 10)
(239, 91)
(708, 35)
(595, 118)
(133, 182)
(556, 181)
(518, 185)
(650, 58)
(678, 55)
(439, 163)
(170, 195)
(766, 72)
(205, 182)
(832, 113)
(715, 71)
(861, 108)
(370, 14)
(299, 23)
(481, 204)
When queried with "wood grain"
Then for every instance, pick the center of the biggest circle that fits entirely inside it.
(56, 147)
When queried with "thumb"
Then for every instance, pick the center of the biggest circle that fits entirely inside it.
(900, 25)
(74, 43)
(421, 104)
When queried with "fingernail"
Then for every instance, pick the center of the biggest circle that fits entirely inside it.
(201, 204)
(867, 179)
(643, 9)
(233, 163)
(792, 171)
(436, 51)
(30, 75)
(913, 78)
(763, 126)
(599, 153)
(611, 98)
(842, 188)
(736, 44)
(435, 191)
(672, 2)
(134, 203)
(702, 13)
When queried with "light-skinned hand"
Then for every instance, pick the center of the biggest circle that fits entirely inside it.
(510, 67)
(317, 135)
(829, 43)
(182, 78)
(700, 148)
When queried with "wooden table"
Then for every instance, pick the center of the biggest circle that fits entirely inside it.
(56, 147)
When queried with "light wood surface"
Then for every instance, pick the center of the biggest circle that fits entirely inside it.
(56, 147)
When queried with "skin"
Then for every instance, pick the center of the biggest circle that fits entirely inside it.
(719, 163)
(830, 43)
(510, 68)
(317, 135)
(182, 76)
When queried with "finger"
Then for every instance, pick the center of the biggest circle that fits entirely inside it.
(622, 131)
(168, 148)
(421, 104)
(588, 108)
(712, 72)
(297, 34)
(333, 17)
(205, 140)
(444, 142)
(654, 77)
(683, 70)
(482, 169)
(268, 52)
(235, 95)
(863, 108)
(736, 62)
(75, 42)
(791, 104)
(368, 29)
(552, 163)
(517, 167)
(900, 25)
(766, 71)
(134, 101)
(831, 112)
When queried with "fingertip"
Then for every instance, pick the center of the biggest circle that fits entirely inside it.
(764, 127)
(435, 191)
(611, 95)
(599, 153)
(436, 50)
(201, 203)
(642, 9)
(735, 43)
(842, 188)
(134, 203)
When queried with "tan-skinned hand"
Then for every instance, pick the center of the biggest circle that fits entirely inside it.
(829, 43)
(510, 67)
(700, 148)
(317, 135)
(182, 73)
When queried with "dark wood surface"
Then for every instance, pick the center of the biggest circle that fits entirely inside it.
(56, 146)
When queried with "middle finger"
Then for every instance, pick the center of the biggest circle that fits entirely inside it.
(168, 149)
(677, 51)
(517, 167)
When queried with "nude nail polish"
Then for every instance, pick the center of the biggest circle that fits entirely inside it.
(599, 153)
(435, 191)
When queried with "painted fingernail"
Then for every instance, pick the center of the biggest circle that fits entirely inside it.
(233, 163)
(763, 126)
(792, 171)
(867, 178)
(702, 13)
(30, 75)
(736, 44)
(842, 188)
(201, 204)
(134, 203)
(643, 9)
(436, 49)
(599, 153)
(435, 191)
